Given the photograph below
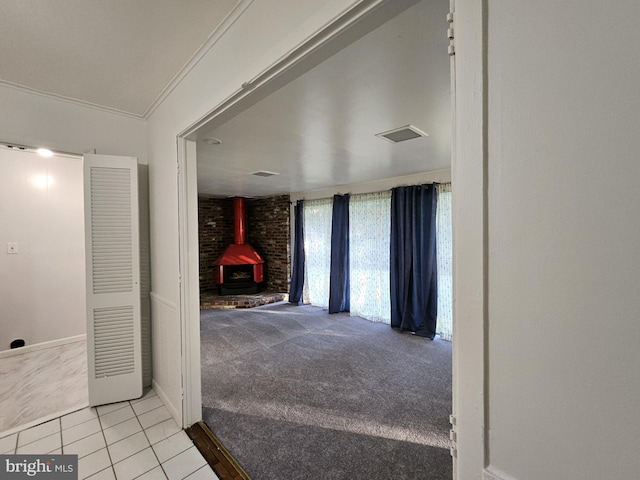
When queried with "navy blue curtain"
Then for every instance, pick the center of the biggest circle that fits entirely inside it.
(413, 260)
(339, 276)
(297, 273)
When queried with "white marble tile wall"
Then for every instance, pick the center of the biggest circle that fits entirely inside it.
(40, 384)
(121, 441)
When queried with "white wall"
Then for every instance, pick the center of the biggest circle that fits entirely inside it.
(43, 286)
(440, 176)
(263, 34)
(37, 120)
(564, 239)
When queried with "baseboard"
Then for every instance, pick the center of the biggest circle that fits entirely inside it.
(492, 473)
(42, 346)
(175, 413)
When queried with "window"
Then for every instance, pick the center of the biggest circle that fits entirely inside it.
(369, 234)
(444, 259)
(317, 247)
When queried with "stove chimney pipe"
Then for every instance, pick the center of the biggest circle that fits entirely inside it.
(239, 221)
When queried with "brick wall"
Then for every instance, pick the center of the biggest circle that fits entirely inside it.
(267, 231)
(215, 231)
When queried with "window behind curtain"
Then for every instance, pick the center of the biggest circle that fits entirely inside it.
(317, 246)
(369, 233)
(445, 268)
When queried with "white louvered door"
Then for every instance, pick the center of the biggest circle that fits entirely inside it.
(113, 278)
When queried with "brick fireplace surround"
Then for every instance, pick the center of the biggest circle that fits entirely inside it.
(267, 231)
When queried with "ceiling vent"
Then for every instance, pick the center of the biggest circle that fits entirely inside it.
(402, 133)
(264, 173)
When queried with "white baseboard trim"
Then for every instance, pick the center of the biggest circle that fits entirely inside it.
(175, 413)
(42, 346)
(492, 473)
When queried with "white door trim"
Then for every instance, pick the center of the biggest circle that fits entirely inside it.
(189, 282)
(470, 240)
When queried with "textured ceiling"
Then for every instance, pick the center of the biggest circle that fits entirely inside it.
(118, 54)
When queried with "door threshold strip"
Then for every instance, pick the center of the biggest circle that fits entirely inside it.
(218, 457)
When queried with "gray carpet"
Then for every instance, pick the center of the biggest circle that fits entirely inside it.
(295, 393)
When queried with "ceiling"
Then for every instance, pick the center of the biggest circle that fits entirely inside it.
(319, 130)
(118, 54)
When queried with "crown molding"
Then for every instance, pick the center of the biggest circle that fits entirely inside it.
(221, 29)
(62, 98)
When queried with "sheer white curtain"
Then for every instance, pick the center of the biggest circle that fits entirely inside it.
(369, 235)
(317, 251)
(445, 267)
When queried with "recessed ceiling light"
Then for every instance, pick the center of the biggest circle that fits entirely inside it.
(264, 173)
(212, 141)
(45, 152)
(401, 134)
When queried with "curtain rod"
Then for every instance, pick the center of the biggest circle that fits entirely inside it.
(435, 184)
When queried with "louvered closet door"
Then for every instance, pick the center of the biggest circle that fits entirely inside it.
(113, 278)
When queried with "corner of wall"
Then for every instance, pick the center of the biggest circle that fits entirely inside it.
(491, 473)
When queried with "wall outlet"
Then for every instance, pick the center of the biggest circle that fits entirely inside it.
(12, 248)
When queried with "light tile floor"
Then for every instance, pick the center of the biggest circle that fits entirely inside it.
(136, 439)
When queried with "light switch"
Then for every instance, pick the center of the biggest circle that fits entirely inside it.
(12, 248)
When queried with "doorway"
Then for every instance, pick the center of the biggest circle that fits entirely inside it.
(42, 273)
(267, 84)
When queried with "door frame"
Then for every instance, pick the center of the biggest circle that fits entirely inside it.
(470, 225)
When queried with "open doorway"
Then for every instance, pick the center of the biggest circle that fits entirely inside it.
(325, 161)
(42, 273)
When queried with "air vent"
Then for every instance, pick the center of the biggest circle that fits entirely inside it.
(401, 134)
(264, 173)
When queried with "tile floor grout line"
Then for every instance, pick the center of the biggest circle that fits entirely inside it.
(143, 413)
(174, 456)
(150, 446)
(77, 424)
(144, 473)
(135, 453)
(123, 438)
(86, 436)
(100, 471)
(33, 441)
(61, 441)
(106, 446)
(144, 430)
(116, 424)
(128, 404)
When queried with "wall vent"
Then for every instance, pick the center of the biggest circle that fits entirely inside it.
(264, 173)
(402, 134)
